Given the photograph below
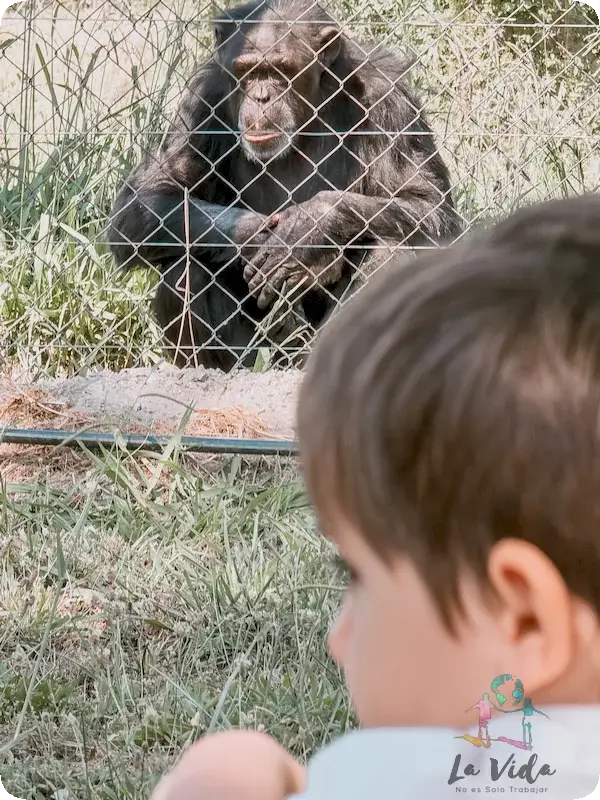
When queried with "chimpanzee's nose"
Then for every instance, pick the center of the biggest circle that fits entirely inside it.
(262, 95)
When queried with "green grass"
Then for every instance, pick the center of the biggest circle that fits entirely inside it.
(205, 605)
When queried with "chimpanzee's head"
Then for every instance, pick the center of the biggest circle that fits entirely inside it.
(274, 57)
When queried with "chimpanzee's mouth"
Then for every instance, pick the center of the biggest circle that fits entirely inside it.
(259, 138)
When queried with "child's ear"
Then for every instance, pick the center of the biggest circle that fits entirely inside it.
(536, 613)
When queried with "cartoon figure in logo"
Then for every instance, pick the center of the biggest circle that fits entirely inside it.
(486, 705)
(528, 710)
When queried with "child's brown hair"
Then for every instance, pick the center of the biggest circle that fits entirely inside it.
(456, 401)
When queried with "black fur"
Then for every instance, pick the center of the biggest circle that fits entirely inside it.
(372, 188)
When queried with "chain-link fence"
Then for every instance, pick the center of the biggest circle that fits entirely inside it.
(247, 203)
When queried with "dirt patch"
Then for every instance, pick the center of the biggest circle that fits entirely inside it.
(147, 396)
(239, 404)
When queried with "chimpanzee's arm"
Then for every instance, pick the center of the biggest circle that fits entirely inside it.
(154, 225)
(405, 194)
(308, 243)
(153, 221)
(415, 215)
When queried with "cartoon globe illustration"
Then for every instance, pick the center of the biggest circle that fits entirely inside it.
(502, 684)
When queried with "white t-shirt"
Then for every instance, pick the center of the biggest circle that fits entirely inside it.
(435, 763)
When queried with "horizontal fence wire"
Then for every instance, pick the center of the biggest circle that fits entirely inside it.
(207, 185)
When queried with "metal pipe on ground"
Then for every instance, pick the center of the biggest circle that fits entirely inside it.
(138, 441)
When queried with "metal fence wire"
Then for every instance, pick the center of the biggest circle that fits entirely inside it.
(208, 184)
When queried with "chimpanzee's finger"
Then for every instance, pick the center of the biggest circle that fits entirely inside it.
(294, 279)
(258, 262)
(267, 294)
(249, 271)
(265, 297)
(273, 286)
(256, 283)
(266, 227)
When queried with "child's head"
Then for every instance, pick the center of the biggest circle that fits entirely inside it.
(449, 426)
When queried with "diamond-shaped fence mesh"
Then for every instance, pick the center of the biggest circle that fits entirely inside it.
(209, 192)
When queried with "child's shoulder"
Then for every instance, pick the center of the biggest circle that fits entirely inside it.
(424, 763)
(381, 763)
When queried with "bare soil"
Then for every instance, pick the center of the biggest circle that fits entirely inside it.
(239, 404)
(146, 396)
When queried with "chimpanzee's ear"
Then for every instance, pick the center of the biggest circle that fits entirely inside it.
(219, 34)
(223, 28)
(329, 44)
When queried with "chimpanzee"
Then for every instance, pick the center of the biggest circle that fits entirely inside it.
(294, 151)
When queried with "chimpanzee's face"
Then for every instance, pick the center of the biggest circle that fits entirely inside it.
(276, 76)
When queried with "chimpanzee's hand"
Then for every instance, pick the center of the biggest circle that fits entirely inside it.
(298, 248)
(251, 232)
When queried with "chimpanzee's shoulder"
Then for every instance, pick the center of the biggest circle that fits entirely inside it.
(385, 79)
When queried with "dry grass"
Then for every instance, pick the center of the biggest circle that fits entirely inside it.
(36, 409)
